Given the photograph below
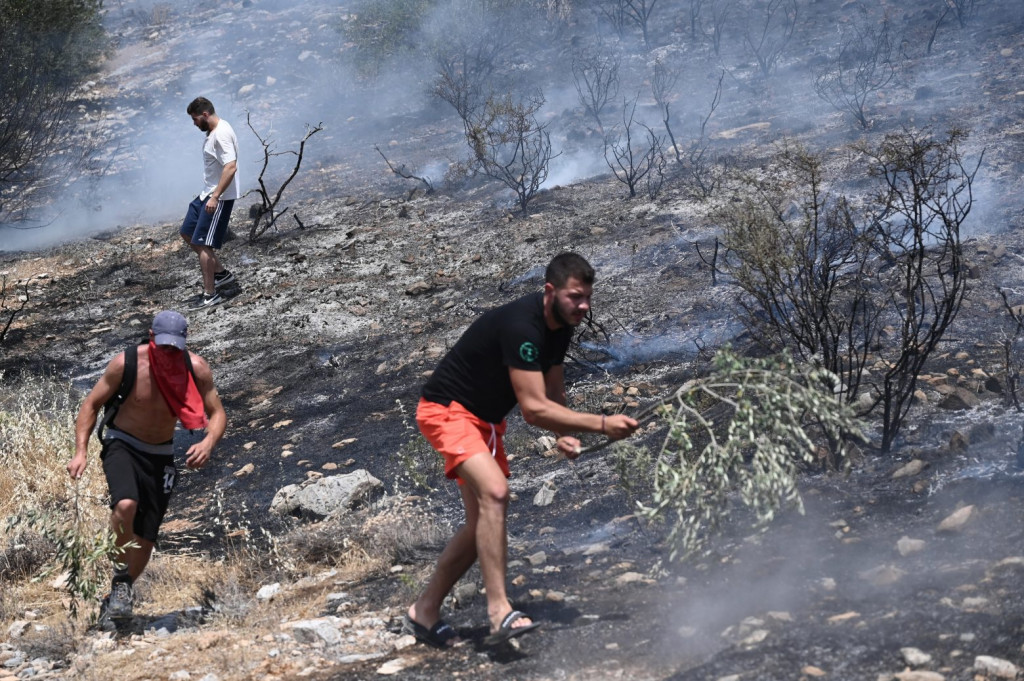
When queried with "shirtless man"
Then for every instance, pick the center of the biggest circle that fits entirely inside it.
(511, 354)
(138, 445)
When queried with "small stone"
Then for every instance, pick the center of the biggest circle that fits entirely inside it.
(883, 575)
(917, 675)
(755, 637)
(630, 578)
(343, 443)
(974, 603)
(393, 666)
(418, 288)
(555, 596)
(405, 641)
(538, 558)
(545, 495)
(957, 520)
(248, 445)
(907, 546)
(910, 469)
(17, 628)
(268, 591)
(994, 666)
(330, 466)
(180, 675)
(915, 657)
(958, 442)
(282, 424)
(849, 615)
(244, 470)
(1006, 52)
(811, 670)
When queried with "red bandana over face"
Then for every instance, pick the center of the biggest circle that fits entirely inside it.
(167, 366)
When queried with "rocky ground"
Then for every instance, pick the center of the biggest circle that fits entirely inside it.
(909, 566)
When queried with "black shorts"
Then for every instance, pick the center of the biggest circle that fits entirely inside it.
(145, 478)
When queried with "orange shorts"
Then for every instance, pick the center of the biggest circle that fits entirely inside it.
(458, 434)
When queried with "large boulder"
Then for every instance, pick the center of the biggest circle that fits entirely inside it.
(331, 495)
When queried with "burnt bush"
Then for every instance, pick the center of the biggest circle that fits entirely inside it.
(49, 47)
(822, 281)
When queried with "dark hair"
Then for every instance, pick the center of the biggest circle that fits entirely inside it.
(569, 265)
(200, 105)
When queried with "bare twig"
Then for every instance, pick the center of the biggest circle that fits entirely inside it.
(403, 173)
(268, 205)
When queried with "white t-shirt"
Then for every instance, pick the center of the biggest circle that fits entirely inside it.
(219, 149)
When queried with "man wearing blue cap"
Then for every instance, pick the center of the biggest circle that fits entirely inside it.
(146, 390)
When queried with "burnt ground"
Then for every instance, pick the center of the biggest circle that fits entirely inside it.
(331, 327)
(324, 337)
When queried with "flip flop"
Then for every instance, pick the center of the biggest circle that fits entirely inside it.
(437, 636)
(506, 631)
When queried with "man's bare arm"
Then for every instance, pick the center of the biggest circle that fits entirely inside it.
(104, 389)
(540, 410)
(199, 453)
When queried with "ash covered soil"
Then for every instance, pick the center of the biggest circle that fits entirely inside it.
(323, 343)
(321, 348)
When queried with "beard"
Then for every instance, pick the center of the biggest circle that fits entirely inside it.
(562, 318)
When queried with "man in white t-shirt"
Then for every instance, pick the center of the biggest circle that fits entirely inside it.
(206, 222)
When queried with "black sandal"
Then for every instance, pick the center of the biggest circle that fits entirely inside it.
(506, 631)
(437, 636)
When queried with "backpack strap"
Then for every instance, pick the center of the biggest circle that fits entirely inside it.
(131, 368)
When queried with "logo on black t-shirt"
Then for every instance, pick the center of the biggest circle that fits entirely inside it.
(528, 352)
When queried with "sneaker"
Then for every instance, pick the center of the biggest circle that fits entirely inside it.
(119, 603)
(222, 279)
(208, 301)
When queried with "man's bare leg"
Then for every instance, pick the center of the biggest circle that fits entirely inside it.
(458, 556)
(210, 265)
(122, 520)
(483, 476)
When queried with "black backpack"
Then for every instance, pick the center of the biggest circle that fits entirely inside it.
(131, 369)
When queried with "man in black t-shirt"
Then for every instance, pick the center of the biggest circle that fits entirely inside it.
(511, 354)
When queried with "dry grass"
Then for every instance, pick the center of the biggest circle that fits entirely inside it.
(36, 443)
(369, 542)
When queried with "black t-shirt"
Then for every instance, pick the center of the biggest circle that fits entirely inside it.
(474, 373)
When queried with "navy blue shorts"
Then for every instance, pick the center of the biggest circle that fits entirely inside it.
(207, 229)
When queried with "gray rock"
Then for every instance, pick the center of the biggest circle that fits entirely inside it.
(883, 575)
(907, 546)
(545, 495)
(910, 469)
(268, 591)
(330, 495)
(915, 657)
(17, 628)
(919, 676)
(956, 521)
(538, 558)
(320, 629)
(959, 399)
(994, 666)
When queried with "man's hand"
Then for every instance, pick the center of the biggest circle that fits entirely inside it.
(618, 426)
(198, 454)
(211, 204)
(569, 446)
(77, 466)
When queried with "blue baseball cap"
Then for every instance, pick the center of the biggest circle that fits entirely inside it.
(170, 328)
